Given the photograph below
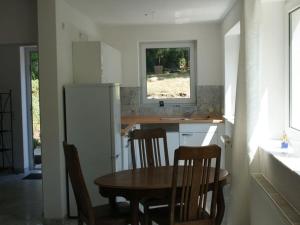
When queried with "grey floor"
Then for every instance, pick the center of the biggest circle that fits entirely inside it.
(21, 201)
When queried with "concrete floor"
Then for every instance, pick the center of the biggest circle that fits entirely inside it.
(21, 202)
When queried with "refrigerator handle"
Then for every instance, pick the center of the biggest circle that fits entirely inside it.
(116, 156)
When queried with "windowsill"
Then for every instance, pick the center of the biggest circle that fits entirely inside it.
(289, 157)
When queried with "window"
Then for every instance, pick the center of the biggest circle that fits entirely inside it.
(232, 53)
(168, 72)
(294, 18)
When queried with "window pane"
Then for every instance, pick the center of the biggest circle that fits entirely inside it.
(295, 69)
(168, 73)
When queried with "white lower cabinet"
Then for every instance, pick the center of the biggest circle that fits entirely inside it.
(199, 134)
(197, 139)
(173, 144)
(202, 134)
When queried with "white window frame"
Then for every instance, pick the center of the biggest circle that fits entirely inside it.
(143, 77)
(293, 134)
(290, 71)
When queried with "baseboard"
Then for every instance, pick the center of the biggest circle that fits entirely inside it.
(281, 204)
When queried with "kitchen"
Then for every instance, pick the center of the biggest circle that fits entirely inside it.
(209, 87)
(234, 69)
(187, 121)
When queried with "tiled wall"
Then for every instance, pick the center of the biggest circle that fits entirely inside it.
(210, 100)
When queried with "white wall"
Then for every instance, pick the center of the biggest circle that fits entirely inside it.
(265, 82)
(18, 21)
(209, 48)
(265, 32)
(230, 20)
(260, 90)
(238, 207)
(263, 209)
(232, 52)
(51, 154)
(10, 78)
(232, 17)
(267, 114)
(59, 25)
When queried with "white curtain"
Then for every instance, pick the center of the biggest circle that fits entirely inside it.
(247, 82)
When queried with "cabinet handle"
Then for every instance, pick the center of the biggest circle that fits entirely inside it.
(187, 134)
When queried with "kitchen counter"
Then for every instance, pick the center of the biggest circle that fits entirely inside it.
(129, 121)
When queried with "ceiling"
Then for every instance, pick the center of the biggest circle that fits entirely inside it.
(152, 11)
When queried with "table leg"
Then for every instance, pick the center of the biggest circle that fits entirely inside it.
(220, 206)
(134, 208)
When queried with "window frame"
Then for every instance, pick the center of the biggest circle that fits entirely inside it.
(293, 134)
(193, 65)
(294, 130)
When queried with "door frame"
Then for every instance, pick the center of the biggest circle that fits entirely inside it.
(27, 51)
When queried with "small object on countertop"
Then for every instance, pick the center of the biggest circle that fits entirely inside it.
(284, 142)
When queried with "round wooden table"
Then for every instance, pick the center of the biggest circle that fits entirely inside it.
(138, 184)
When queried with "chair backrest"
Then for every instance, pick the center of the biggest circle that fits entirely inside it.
(193, 174)
(84, 204)
(146, 145)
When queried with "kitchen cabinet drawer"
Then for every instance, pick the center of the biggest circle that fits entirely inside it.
(200, 128)
(198, 138)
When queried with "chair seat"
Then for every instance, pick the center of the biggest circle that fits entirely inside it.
(108, 215)
(161, 215)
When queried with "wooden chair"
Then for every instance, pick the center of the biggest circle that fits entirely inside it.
(193, 179)
(146, 148)
(146, 145)
(117, 214)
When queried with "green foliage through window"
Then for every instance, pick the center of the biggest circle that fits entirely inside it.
(168, 73)
(172, 60)
(34, 63)
(35, 91)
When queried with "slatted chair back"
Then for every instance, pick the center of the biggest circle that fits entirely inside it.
(146, 148)
(84, 204)
(192, 173)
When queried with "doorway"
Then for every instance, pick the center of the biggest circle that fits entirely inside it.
(33, 107)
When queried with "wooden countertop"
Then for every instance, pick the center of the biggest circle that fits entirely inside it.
(132, 120)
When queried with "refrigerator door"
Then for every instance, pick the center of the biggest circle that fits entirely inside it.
(116, 128)
(88, 120)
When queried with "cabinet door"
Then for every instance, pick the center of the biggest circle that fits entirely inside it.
(87, 62)
(173, 144)
(198, 139)
(111, 63)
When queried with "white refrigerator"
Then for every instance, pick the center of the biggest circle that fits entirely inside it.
(93, 125)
